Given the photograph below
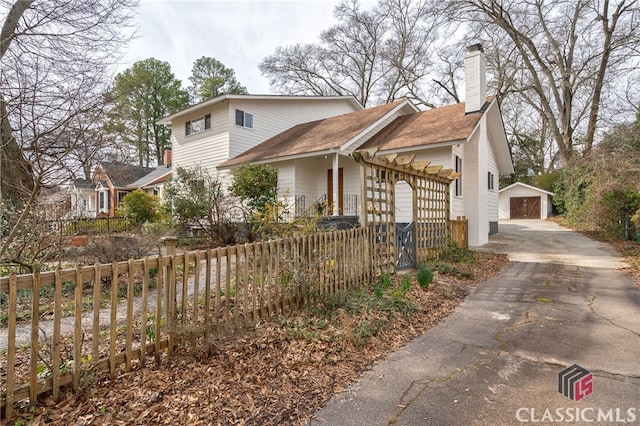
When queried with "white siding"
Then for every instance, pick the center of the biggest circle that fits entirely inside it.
(310, 175)
(226, 140)
(475, 186)
(271, 117)
(492, 195)
(403, 202)
(206, 149)
(286, 181)
(457, 203)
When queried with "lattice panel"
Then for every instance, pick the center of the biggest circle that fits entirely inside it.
(430, 184)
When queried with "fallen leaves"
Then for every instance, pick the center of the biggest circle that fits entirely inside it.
(274, 373)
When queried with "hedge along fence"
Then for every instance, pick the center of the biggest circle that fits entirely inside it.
(121, 313)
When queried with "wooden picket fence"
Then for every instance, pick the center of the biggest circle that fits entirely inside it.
(107, 316)
(460, 231)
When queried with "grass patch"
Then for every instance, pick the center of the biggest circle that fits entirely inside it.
(447, 269)
(425, 277)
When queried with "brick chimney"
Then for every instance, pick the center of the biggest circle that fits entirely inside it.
(167, 157)
(475, 78)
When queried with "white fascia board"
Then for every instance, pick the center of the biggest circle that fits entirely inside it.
(355, 141)
(286, 158)
(534, 188)
(219, 99)
(503, 153)
(422, 147)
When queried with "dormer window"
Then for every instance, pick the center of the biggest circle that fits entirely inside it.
(244, 119)
(198, 125)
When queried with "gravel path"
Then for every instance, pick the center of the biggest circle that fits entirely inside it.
(67, 324)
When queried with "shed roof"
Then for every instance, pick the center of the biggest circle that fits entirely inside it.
(534, 188)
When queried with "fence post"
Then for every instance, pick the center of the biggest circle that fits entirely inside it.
(168, 248)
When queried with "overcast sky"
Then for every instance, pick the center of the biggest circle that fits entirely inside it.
(238, 33)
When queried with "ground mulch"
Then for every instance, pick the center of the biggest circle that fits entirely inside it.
(273, 373)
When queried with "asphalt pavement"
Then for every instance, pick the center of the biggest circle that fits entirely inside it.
(564, 304)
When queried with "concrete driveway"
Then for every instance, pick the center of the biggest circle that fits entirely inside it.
(565, 299)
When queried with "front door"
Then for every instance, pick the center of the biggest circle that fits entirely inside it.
(330, 191)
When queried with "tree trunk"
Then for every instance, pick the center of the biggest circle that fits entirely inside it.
(16, 174)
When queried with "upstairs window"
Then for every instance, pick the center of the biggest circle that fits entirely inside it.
(490, 181)
(459, 179)
(198, 125)
(244, 119)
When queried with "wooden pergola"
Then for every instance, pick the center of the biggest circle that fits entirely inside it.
(379, 175)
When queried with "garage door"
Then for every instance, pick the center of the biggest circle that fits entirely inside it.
(525, 207)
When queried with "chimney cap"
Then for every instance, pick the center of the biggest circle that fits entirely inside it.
(475, 47)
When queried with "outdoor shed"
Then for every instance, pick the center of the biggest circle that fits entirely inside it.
(522, 201)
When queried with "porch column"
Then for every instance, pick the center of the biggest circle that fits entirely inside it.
(336, 186)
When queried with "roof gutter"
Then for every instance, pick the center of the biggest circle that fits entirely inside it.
(303, 156)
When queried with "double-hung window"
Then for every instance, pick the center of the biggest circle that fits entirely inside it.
(244, 119)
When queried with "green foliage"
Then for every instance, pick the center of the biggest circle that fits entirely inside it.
(381, 286)
(139, 207)
(255, 185)
(425, 277)
(456, 254)
(443, 268)
(385, 281)
(197, 201)
(406, 283)
(210, 78)
(601, 192)
(546, 181)
(142, 95)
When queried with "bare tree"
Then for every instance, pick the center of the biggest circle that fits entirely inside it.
(560, 57)
(55, 57)
(375, 55)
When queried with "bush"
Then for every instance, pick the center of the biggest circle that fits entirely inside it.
(139, 207)
(456, 254)
(256, 185)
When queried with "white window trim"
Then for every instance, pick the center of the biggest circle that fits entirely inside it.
(244, 119)
(457, 187)
(206, 125)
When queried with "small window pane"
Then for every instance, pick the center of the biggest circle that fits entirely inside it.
(207, 121)
(248, 120)
(239, 117)
(197, 125)
(187, 128)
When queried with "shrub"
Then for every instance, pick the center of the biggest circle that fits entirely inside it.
(456, 254)
(139, 207)
(256, 185)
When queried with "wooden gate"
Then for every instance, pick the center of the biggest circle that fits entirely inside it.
(430, 200)
(406, 245)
